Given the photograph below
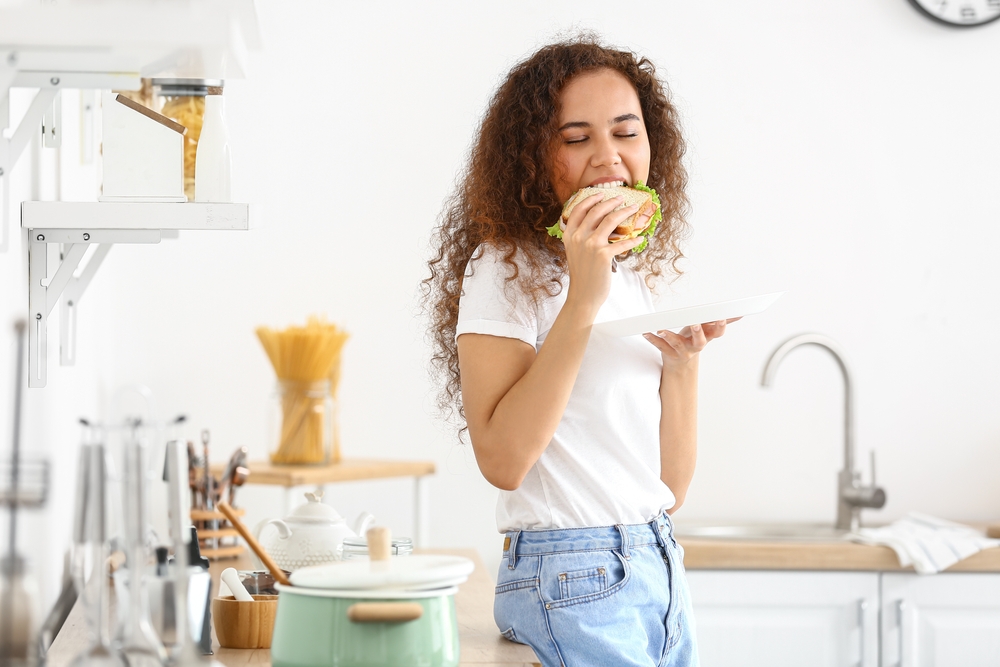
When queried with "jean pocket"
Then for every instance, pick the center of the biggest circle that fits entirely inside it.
(583, 582)
(577, 578)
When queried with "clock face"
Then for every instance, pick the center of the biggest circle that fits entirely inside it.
(961, 13)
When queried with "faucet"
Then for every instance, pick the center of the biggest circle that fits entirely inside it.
(851, 495)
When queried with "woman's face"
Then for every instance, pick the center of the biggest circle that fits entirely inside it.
(602, 135)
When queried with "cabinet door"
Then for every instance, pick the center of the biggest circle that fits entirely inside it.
(820, 619)
(940, 620)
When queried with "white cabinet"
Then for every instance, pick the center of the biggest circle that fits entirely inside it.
(750, 617)
(942, 619)
(747, 618)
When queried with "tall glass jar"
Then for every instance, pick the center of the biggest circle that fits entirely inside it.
(183, 100)
(303, 424)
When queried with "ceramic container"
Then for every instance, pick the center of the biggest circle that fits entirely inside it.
(311, 535)
(371, 612)
(314, 629)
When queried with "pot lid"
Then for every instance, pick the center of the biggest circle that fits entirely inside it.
(314, 511)
(412, 573)
(367, 595)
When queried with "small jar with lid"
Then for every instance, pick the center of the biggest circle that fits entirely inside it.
(183, 100)
(357, 547)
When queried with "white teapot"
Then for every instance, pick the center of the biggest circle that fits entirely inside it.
(311, 535)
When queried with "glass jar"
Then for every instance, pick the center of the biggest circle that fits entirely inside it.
(355, 547)
(303, 423)
(183, 100)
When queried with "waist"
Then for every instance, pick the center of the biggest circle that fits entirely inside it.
(557, 540)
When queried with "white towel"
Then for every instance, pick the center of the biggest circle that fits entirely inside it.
(927, 543)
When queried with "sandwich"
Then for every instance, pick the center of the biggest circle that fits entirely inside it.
(633, 226)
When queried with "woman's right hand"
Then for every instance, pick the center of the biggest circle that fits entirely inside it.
(588, 252)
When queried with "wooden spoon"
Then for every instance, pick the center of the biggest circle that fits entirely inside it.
(276, 572)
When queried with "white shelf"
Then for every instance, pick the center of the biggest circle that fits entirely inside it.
(80, 225)
(109, 45)
(133, 215)
(104, 45)
(207, 39)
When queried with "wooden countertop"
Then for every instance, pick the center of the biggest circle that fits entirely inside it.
(480, 641)
(719, 554)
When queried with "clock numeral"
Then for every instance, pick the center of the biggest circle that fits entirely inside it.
(993, 4)
(968, 13)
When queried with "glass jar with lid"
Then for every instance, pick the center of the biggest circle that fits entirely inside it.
(356, 547)
(302, 423)
(183, 100)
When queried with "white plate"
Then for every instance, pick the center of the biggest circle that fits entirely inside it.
(412, 573)
(682, 317)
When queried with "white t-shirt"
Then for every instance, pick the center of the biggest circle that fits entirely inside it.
(602, 466)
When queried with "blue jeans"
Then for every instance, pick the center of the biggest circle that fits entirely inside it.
(609, 596)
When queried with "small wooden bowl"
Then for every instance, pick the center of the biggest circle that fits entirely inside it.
(244, 624)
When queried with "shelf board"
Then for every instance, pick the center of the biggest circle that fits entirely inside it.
(133, 215)
(347, 470)
(199, 40)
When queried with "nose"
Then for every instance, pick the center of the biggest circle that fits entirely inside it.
(605, 154)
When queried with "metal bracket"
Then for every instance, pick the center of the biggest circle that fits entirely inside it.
(42, 298)
(11, 149)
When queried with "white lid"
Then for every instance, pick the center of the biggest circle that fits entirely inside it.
(368, 595)
(314, 511)
(413, 573)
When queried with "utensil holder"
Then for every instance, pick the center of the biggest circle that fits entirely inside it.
(245, 624)
(217, 543)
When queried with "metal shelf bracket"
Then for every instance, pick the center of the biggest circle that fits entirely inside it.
(65, 284)
(12, 147)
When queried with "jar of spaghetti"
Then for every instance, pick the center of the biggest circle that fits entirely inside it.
(303, 424)
(183, 100)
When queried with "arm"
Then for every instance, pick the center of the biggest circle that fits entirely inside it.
(679, 402)
(679, 428)
(515, 398)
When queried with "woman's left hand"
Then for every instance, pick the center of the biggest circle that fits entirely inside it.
(680, 349)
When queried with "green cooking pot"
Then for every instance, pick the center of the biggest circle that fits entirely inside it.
(365, 628)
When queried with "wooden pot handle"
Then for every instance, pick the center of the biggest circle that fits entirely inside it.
(384, 612)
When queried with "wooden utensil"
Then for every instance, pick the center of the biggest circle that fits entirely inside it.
(276, 572)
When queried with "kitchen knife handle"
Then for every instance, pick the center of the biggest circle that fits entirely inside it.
(384, 612)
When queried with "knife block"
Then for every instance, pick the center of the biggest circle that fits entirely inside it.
(217, 543)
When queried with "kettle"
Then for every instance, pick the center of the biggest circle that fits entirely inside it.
(311, 535)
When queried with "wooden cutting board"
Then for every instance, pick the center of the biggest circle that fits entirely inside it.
(993, 530)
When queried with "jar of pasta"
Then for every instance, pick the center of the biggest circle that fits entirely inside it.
(183, 100)
(303, 424)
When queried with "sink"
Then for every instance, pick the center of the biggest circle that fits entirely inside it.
(781, 532)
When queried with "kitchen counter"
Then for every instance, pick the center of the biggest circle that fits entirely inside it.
(480, 641)
(719, 554)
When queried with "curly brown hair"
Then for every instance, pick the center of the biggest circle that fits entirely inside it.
(506, 198)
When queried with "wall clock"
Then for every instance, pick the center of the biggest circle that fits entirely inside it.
(959, 13)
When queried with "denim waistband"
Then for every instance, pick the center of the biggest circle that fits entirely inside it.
(558, 540)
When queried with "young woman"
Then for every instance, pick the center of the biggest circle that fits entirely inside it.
(590, 439)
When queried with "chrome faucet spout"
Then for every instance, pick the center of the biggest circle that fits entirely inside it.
(851, 496)
(831, 346)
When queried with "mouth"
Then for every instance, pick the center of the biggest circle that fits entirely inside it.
(607, 183)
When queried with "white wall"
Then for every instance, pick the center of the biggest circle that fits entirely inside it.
(845, 152)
